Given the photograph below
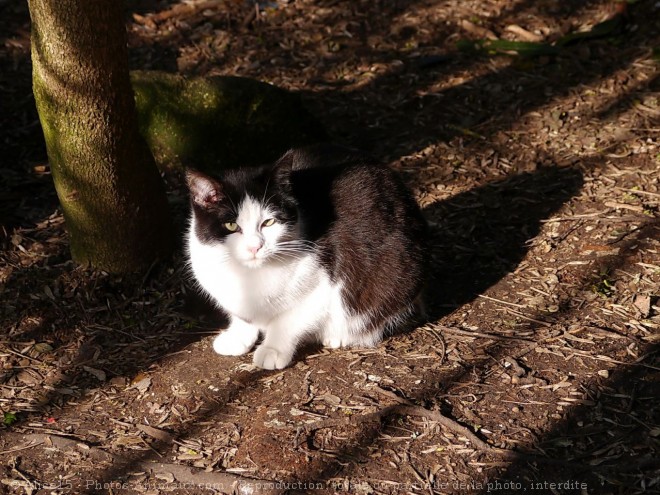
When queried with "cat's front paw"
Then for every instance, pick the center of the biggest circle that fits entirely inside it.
(270, 358)
(332, 342)
(228, 343)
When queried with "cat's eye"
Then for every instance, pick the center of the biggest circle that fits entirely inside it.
(268, 223)
(231, 226)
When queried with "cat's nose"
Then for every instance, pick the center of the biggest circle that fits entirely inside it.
(254, 245)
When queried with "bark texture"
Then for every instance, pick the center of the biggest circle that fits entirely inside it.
(111, 194)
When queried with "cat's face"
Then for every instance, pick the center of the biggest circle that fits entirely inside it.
(246, 214)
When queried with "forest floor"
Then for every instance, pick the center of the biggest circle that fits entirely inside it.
(540, 178)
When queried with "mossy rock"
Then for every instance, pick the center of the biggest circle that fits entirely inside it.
(217, 122)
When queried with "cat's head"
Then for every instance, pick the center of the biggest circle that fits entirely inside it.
(248, 213)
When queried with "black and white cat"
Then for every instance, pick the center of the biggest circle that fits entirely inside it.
(324, 243)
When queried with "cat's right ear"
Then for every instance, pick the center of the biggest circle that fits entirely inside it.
(204, 190)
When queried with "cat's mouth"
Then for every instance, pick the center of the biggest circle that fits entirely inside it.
(264, 258)
(255, 260)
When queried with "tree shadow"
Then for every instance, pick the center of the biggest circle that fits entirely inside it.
(481, 235)
(613, 111)
(605, 447)
(489, 103)
(607, 444)
(214, 405)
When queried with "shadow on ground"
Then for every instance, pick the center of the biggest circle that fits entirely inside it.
(607, 447)
(482, 235)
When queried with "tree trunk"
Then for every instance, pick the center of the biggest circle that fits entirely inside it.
(112, 197)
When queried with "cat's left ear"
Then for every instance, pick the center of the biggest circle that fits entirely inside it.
(204, 190)
(282, 171)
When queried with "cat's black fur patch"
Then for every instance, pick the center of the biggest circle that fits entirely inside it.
(368, 229)
(229, 190)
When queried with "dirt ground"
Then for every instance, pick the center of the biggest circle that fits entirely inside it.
(540, 177)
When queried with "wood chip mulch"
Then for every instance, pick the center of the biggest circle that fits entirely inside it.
(540, 178)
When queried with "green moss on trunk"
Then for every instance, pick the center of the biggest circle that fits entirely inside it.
(217, 122)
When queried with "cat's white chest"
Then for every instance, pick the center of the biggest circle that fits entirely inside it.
(253, 294)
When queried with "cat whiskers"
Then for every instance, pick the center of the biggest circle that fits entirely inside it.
(287, 249)
(298, 243)
(283, 254)
(292, 249)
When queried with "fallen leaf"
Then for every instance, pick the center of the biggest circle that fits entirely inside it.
(137, 378)
(643, 304)
(156, 433)
(142, 385)
(190, 457)
(42, 347)
(166, 477)
(598, 248)
(128, 440)
(25, 376)
(48, 291)
(480, 31)
(99, 374)
(118, 381)
(523, 33)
